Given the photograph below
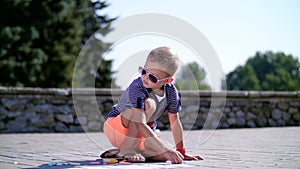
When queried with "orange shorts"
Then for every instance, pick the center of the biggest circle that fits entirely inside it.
(116, 133)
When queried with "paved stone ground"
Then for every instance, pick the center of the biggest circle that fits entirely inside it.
(228, 148)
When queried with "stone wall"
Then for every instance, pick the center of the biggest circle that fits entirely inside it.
(236, 109)
(53, 110)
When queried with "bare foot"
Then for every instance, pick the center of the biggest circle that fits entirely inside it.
(134, 158)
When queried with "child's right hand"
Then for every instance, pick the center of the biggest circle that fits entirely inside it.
(174, 156)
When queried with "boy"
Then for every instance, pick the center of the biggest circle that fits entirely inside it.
(131, 124)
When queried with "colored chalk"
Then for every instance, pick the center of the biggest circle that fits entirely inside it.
(72, 163)
(110, 160)
(51, 164)
(95, 163)
(124, 162)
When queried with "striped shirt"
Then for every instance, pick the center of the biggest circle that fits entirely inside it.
(135, 94)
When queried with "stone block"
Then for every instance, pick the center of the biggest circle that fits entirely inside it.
(229, 103)
(267, 114)
(76, 129)
(60, 127)
(29, 114)
(240, 122)
(261, 121)
(14, 104)
(223, 125)
(236, 108)
(204, 104)
(204, 110)
(2, 125)
(251, 124)
(192, 109)
(82, 120)
(240, 113)
(231, 121)
(37, 121)
(187, 126)
(16, 125)
(199, 123)
(272, 123)
(44, 108)
(94, 116)
(281, 122)
(250, 116)
(295, 104)
(227, 109)
(283, 105)
(29, 129)
(276, 114)
(14, 114)
(241, 103)
(286, 116)
(65, 118)
(296, 117)
(48, 120)
(256, 104)
(107, 106)
(231, 114)
(3, 111)
(293, 110)
(65, 109)
(94, 126)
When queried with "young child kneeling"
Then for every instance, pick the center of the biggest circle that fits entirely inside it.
(131, 124)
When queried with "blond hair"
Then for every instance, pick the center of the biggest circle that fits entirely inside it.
(166, 57)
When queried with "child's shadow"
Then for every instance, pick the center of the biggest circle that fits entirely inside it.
(69, 164)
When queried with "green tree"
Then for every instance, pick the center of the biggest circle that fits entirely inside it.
(266, 71)
(249, 82)
(191, 77)
(95, 68)
(40, 40)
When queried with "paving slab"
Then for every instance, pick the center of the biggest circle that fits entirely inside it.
(227, 148)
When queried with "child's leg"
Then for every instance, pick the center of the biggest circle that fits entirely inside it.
(150, 107)
(116, 128)
(152, 153)
(134, 120)
(115, 131)
(129, 119)
(123, 138)
(149, 145)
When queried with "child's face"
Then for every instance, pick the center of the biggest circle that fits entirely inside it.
(162, 76)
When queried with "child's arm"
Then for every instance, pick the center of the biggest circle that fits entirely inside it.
(177, 132)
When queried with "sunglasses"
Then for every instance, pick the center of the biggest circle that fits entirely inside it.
(152, 77)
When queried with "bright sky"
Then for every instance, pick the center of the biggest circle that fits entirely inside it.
(235, 28)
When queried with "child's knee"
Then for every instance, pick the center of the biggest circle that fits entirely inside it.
(150, 105)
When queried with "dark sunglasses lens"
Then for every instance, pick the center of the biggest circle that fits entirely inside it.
(153, 78)
(143, 71)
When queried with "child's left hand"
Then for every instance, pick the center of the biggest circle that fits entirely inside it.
(191, 157)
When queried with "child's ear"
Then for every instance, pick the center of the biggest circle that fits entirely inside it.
(169, 80)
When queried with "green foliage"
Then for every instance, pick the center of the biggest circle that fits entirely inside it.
(40, 40)
(191, 77)
(266, 71)
(248, 82)
(91, 69)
